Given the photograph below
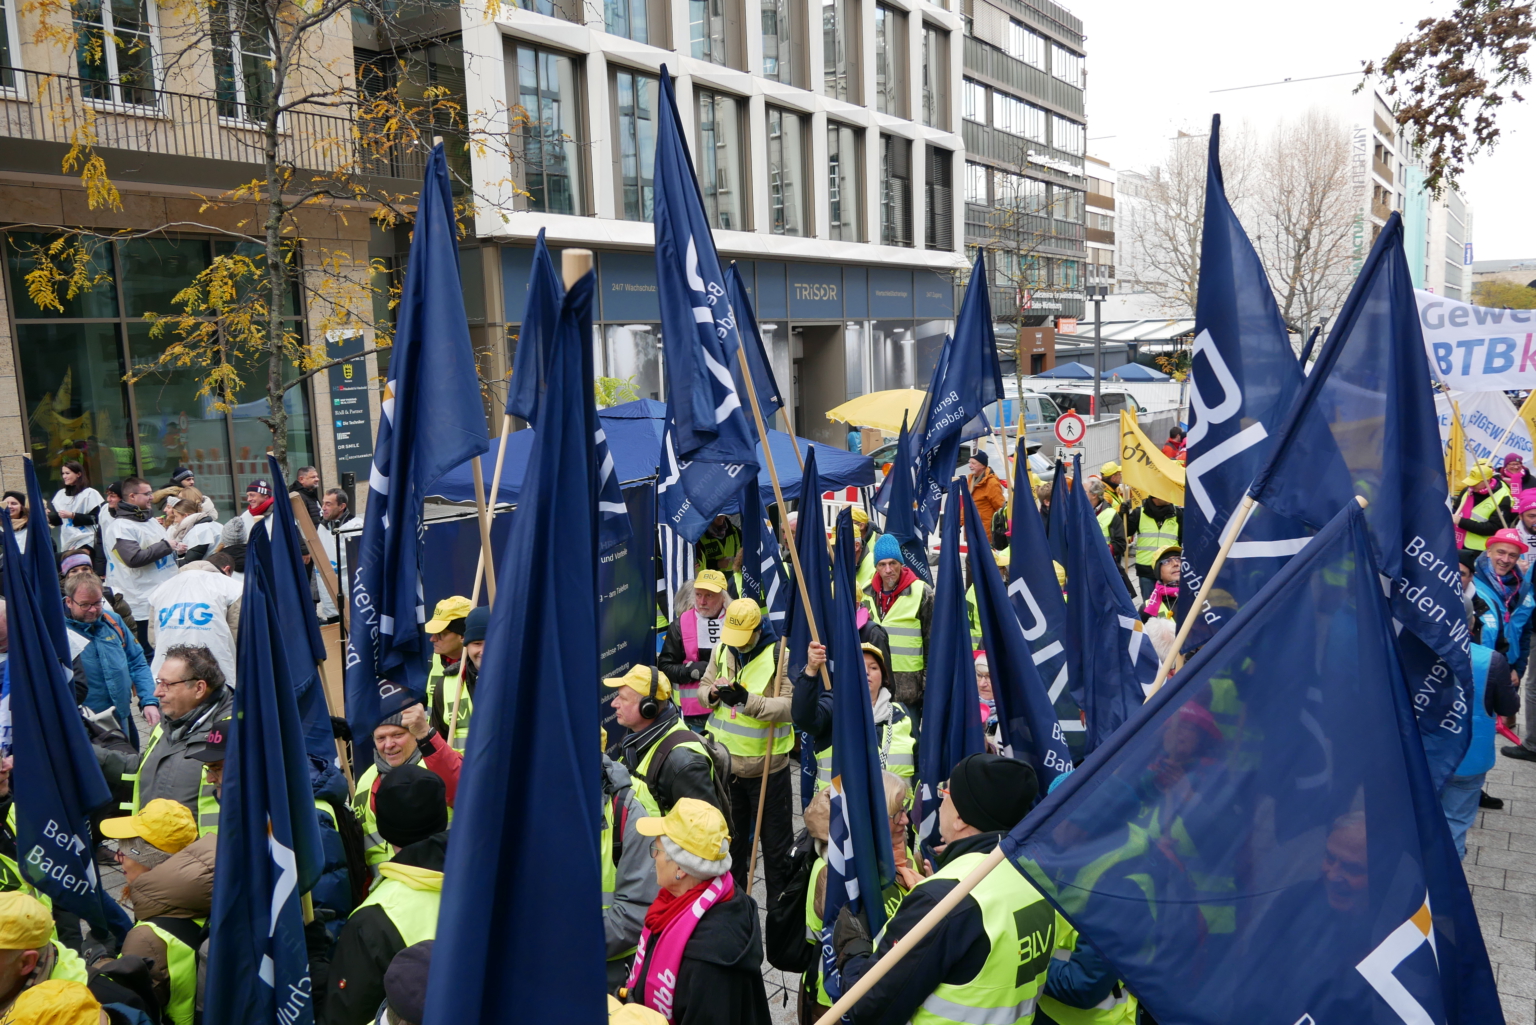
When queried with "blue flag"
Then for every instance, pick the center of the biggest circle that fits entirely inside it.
(951, 724)
(269, 841)
(1263, 842)
(1056, 516)
(43, 565)
(298, 624)
(810, 543)
(762, 572)
(966, 380)
(898, 489)
(541, 313)
(1365, 424)
(1243, 378)
(1114, 662)
(769, 400)
(432, 422)
(57, 780)
(1037, 602)
(708, 446)
(498, 908)
(860, 862)
(1026, 719)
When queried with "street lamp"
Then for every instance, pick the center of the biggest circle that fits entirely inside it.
(1096, 294)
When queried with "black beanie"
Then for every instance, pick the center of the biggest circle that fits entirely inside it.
(992, 792)
(980, 456)
(405, 982)
(411, 804)
(1468, 558)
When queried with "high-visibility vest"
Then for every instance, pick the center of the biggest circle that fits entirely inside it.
(974, 616)
(413, 911)
(181, 966)
(375, 850)
(1119, 1008)
(903, 628)
(740, 734)
(438, 677)
(1152, 537)
(897, 747)
(68, 966)
(1484, 511)
(610, 867)
(1021, 928)
(207, 798)
(640, 778)
(1106, 518)
(866, 571)
(813, 923)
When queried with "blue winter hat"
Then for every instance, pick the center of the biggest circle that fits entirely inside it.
(887, 547)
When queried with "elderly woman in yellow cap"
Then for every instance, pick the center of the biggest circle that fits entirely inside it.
(1486, 507)
(701, 952)
(29, 953)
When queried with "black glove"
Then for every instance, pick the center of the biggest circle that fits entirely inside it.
(850, 936)
(695, 670)
(734, 695)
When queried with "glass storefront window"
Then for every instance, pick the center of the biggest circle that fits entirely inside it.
(632, 352)
(76, 401)
(252, 439)
(892, 356)
(98, 301)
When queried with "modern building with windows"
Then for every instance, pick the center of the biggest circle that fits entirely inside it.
(826, 151)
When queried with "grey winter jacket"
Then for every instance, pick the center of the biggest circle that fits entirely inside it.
(166, 771)
(634, 884)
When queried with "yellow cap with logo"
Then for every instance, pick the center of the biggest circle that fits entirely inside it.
(710, 580)
(742, 617)
(165, 824)
(449, 609)
(640, 679)
(694, 825)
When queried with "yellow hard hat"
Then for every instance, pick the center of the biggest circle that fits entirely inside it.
(694, 825)
(165, 824)
(449, 609)
(742, 617)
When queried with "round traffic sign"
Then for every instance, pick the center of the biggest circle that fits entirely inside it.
(1070, 428)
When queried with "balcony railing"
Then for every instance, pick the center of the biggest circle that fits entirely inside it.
(62, 109)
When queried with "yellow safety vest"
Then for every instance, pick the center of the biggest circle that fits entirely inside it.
(1106, 517)
(436, 677)
(866, 571)
(1152, 537)
(813, 923)
(1484, 511)
(974, 616)
(181, 966)
(1119, 1008)
(898, 751)
(739, 733)
(412, 908)
(610, 867)
(375, 850)
(903, 627)
(68, 966)
(639, 779)
(207, 800)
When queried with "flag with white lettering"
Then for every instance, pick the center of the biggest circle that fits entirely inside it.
(901, 507)
(762, 571)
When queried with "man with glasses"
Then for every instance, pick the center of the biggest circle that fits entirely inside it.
(139, 554)
(194, 698)
(113, 662)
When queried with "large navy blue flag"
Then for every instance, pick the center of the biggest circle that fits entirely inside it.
(432, 421)
(1364, 424)
(1242, 381)
(860, 862)
(1114, 662)
(298, 624)
(1055, 519)
(1026, 719)
(1037, 602)
(966, 381)
(269, 841)
(708, 447)
(57, 780)
(762, 572)
(951, 725)
(498, 908)
(811, 546)
(43, 565)
(769, 400)
(541, 313)
(1263, 842)
(898, 490)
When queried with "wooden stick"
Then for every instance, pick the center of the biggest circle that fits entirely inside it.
(328, 580)
(762, 802)
(501, 455)
(483, 514)
(879, 969)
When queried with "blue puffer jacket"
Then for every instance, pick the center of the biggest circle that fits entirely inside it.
(114, 668)
(333, 892)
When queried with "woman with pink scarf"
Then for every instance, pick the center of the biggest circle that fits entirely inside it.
(700, 958)
(1516, 476)
(1486, 506)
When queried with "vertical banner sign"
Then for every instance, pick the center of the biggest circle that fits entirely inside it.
(351, 425)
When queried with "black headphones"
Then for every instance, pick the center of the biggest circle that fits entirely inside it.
(650, 705)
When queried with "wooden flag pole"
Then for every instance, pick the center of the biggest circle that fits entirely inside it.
(501, 455)
(484, 516)
(322, 564)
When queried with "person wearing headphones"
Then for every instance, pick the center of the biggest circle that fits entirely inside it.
(666, 760)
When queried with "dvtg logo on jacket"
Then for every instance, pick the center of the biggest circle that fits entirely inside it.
(191, 615)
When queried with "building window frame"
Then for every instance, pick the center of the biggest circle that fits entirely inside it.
(119, 92)
(892, 94)
(841, 32)
(11, 86)
(895, 191)
(788, 18)
(708, 168)
(631, 143)
(841, 136)
(532, 133)
(935, 77)
(231, 73)
(939, 199)
(779, 183)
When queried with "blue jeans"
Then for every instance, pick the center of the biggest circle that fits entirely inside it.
(1459, 799)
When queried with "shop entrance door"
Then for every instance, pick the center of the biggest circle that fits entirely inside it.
(821, 382)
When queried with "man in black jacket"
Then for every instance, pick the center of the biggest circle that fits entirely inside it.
(666, 760)
(689, 642)
(306, 484)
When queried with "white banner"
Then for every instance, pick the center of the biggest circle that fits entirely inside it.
(1476, 348)
(1485, 416)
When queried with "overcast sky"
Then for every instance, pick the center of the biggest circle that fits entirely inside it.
(1153, 68)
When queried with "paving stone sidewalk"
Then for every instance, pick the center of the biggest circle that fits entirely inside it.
(1501, 867)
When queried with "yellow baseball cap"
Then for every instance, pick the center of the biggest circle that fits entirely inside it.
(710, 580)
(694, 825)
(25, 922)
(632, 1014)
(1061, 574)
(1481, 470)
(164, 823)
(639, 679)
(860, 516)
(1109, 469)
(56, 1002)
(449, 609)
(742, 617)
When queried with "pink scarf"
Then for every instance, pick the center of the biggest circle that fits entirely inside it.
(668, 955)
(1515, 479)
(1159, 593)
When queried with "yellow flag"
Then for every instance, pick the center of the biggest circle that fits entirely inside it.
(1528, 412)
(1144, 466)
(1456, 451)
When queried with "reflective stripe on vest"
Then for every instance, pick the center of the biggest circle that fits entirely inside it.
(1021, 929)
(740, 734)
(375, 850)
(437, 675)
(413, 912)
(639, 778)
(1485, 511)
(897, 752)
(1160, 536)
(1119, 1008)
(903, 628)
(181, 966)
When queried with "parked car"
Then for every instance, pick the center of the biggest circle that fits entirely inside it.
(1079, 399)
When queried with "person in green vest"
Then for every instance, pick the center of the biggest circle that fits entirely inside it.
(1155, 526)
(895, 738)
(1107, 512)
(170, 879)
(666, 761)
(987, 960)
(629, 879)
(401, 909)
(1486, 508)
(749, 697)
(901, 603)
(720, 547)
(451, 679)
(193, 697)
(402, 739)
(29, 953)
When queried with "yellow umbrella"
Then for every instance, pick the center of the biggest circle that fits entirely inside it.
(882, 410)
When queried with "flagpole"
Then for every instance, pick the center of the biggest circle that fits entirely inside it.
(501, 455)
